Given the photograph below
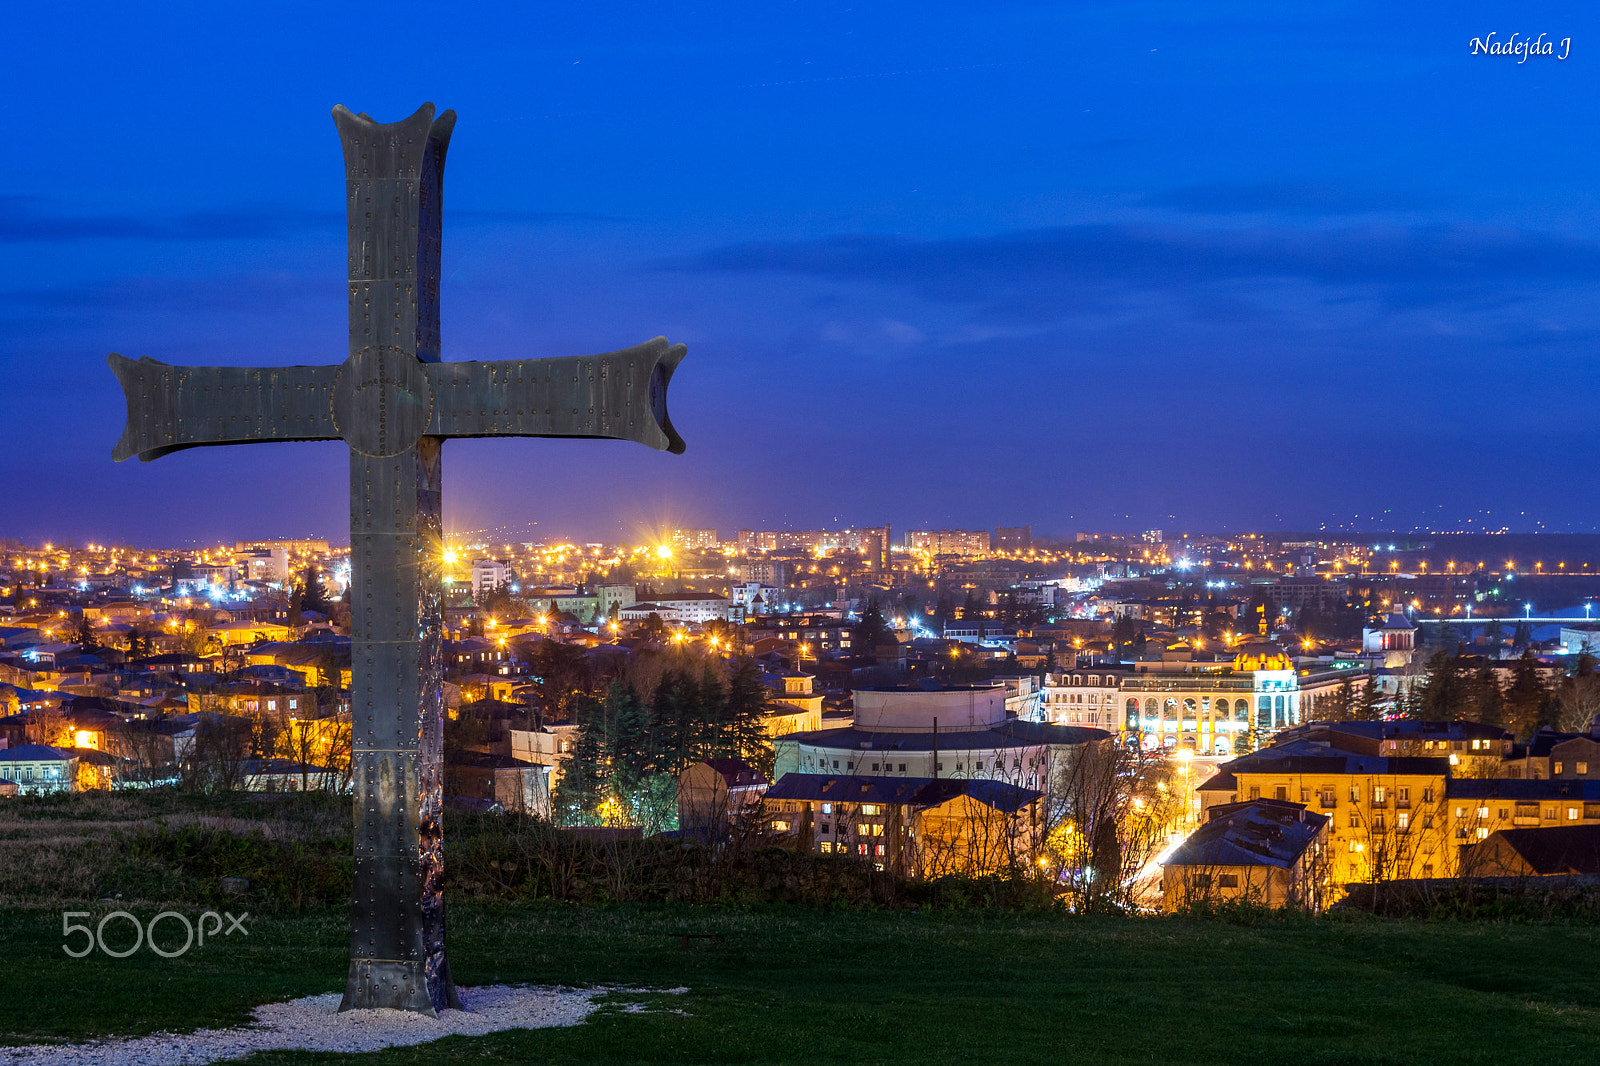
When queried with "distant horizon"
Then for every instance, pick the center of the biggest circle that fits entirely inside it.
(1177, 532)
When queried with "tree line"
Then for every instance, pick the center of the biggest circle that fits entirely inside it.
(630, 745)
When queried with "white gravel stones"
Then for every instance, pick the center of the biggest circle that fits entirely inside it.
(315, 1024)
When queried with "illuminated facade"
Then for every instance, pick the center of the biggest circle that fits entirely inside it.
(936, 542)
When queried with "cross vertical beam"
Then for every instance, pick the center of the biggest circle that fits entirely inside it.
(393, 182)
(394, 403)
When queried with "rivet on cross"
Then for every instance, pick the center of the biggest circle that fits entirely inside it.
(394, 403)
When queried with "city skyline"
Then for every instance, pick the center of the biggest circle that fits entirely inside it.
(1068, 269)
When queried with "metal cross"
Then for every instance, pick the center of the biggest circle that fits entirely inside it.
(394, 403)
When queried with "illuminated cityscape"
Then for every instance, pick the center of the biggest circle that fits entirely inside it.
(1219, 654)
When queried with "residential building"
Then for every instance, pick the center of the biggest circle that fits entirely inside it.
(1266, 853)
(1479, 807)
(966, 543)
(713, 791)
(39, 768)
(919, 827)
(1551, 851)
(770, 573)
(1549, 754)
(1389, 816)
(612, 597)
(694, 608)
(269, 565)
(488, 575)
(1012, 538)
(693, 539)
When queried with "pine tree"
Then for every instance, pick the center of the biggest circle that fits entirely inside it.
(1488, 703)
(675, 714)
(1370, 706)
(747, 705)
(1526, 695)
(1344, 702)
(630, 743)
(1445, 697)
(872, 630)
(85, 638)
(578, 797)
(313, 597)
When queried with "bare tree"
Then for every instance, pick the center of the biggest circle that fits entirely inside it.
(1579, 702)
(1112, 814)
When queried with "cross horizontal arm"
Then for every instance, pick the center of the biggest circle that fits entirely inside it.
(620, 395)
(175, 407)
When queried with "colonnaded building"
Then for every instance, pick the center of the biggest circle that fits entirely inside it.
(1211, 708)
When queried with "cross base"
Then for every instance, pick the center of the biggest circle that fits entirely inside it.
(392, 984)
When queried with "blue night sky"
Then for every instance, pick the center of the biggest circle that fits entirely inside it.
(1197, 266)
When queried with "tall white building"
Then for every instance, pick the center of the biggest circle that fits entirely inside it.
(488, 574)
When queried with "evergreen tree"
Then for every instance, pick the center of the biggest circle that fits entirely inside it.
(1445, 698)
(1495, 634)
(582, 789)
(138, 643)
(1488, 703)
(1448, 639)
(87, 642)
(872, 630)
(296, 602)
(630, 742)
(747, 712)
(313, 596)
(1343, 702)
(674, 714)
(1522, 637)
(971, 609)
(713, 735)
(1526, 696)
(1370, 706)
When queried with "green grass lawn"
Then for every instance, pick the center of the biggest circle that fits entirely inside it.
(790, 985)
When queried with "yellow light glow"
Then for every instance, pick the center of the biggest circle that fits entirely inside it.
(450, 557)
(664, 552)
(83, 738)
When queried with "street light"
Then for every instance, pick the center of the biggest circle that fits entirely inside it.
(1529, 608)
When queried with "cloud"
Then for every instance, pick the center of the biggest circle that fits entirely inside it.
(265, 294)
(1228, 198)
(31, 219)
(1401, 265)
